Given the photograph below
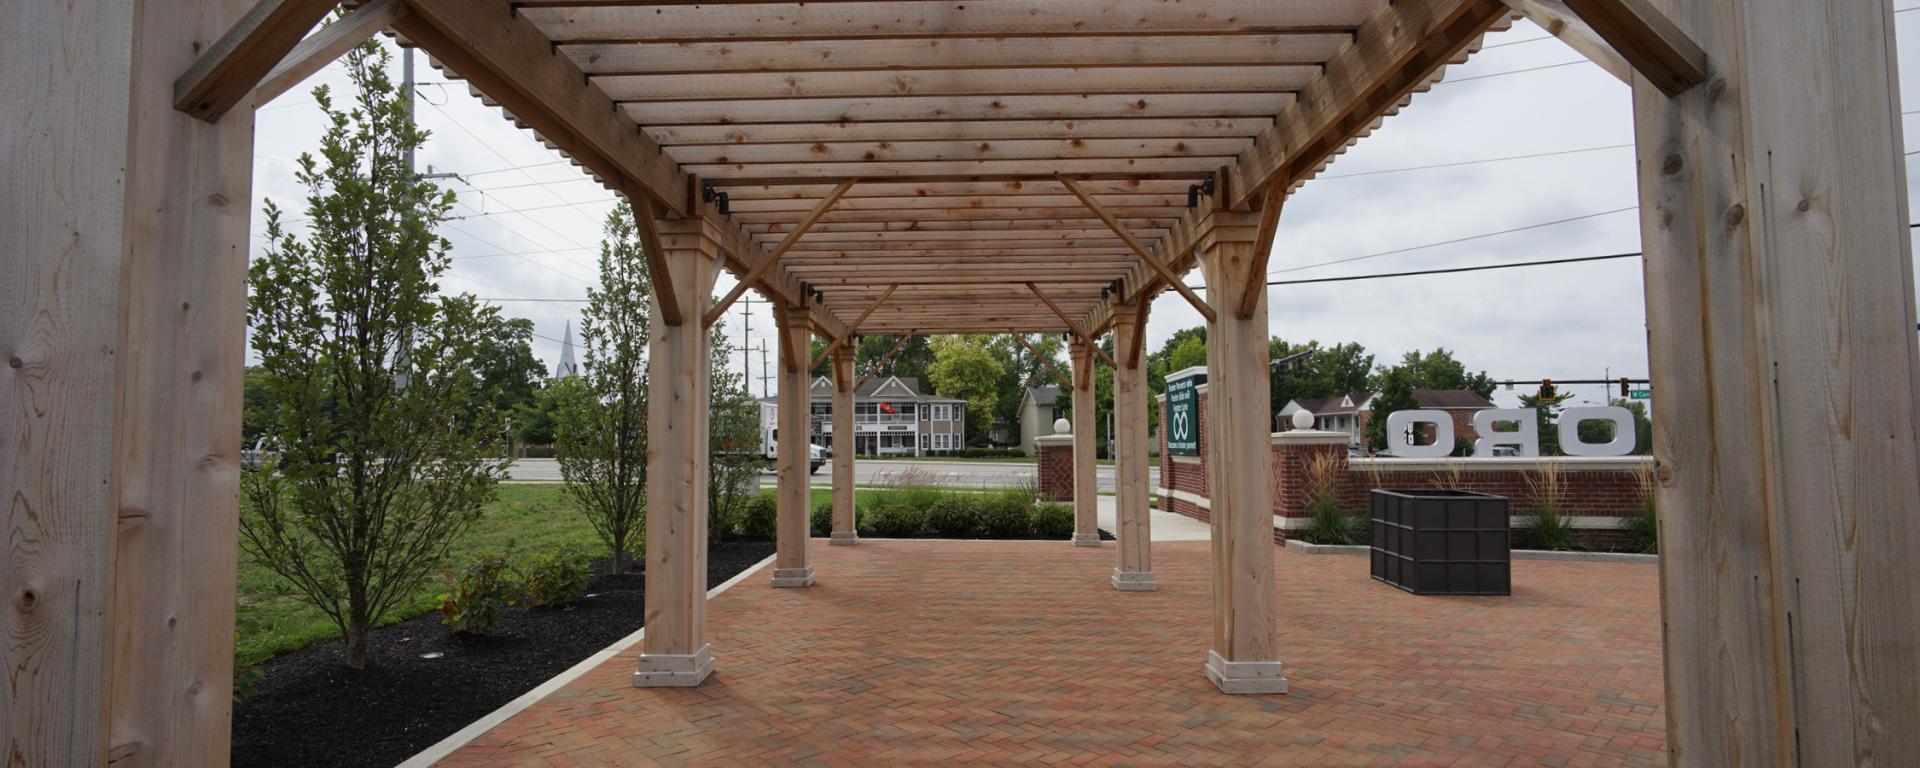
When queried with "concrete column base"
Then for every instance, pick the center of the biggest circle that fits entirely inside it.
(1134, 581)
(1086, 539)
(793, 577)
(1238, 677)
(844, 538)
(674, 670)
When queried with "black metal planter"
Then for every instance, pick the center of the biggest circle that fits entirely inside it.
(1434, 542)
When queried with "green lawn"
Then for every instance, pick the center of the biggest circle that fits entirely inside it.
(272, 619)
(973, 459)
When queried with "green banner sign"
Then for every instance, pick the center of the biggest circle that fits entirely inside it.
(1641, 394)
(1183, 417)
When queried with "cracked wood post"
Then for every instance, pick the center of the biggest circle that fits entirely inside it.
(1780, 312)
(791, 568)
(1133, 568)
(679, 393)
(844, 531)
(1086, 490)
(1239, 466)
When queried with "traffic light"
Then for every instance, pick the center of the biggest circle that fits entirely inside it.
(1547, 393)
(1626, 387)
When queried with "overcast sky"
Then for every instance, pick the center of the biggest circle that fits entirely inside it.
(527, 223)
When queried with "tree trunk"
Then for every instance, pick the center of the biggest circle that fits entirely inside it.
(358, 627)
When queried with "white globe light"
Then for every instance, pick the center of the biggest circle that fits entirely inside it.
(1060, 426)
(1303, 419)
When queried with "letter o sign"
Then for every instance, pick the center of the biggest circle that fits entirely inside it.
(1623, 434)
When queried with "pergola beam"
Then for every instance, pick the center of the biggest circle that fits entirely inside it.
(1560, 21)
(1071, 326)
(234, 64)
(773, 257)
(852, 329)
(1142, 251)
(1262, 249)
(1648, 40)
(323, 47)
(658, 270)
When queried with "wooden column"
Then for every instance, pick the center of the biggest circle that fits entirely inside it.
(679, 390)
(1133, 570)
(844, 531)
(790, 565)
(1239, 467)
(1780, 315)
(1086, 491)
(122, 321)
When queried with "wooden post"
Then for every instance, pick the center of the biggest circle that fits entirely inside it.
(1086, 491)
(122, 314)
(679, 392)
(1239, 469)
(844, 531)
(1133, 570)
(790, 566)
(1780, 316)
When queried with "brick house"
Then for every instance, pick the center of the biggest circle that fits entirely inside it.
(1349, 413)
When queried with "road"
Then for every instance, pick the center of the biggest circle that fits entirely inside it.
(963, 474)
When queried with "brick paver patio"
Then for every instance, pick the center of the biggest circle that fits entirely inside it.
(988, 653)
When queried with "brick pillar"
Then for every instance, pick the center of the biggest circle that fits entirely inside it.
(1291, 451)
(1055, 473)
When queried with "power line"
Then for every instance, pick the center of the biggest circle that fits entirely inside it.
(1452, 241)
(1458, 163)
(1514, 72)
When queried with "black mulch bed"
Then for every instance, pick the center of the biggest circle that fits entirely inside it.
(312, 710)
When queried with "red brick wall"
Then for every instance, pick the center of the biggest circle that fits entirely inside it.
(1184, 475)
(1055, 473)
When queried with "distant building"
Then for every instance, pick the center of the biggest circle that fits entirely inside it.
(890, 418)
(1039, 407)
(1349, 413)
(567, 367)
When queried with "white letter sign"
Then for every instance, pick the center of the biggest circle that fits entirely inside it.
(1623, 433)
(1525, 439)
(1400, 443)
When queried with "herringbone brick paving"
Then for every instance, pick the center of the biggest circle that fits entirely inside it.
(994, 653)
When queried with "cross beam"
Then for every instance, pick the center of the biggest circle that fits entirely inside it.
(229, 70)
(1648, 40)
(852, 328)
(1071, 325)
(1133, 243)
(786, 244)
(1044, 360)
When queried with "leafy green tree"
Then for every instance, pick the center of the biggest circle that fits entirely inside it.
(1642, 426)
(505, 363)
(367, 375)
(1432, 370)
(911, 362)
(1320, 371)
(1186, 348)
(963, 368)
(601, 438)
(254, 407)
(1547, 417)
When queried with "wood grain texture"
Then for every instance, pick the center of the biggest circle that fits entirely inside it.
(843, 389)
(794, 338)
(63, 172)
(1780, 309)
(679, 393)
(1086, 489)
(177, 433)
(326, 45)
(235, 61)
(1648, 40)
(1239, 461)
(1131, 494)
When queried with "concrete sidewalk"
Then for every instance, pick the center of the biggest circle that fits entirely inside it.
(1161, 526)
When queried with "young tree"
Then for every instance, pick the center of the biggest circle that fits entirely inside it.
(963, 368)
(368, 375)
(601, 437)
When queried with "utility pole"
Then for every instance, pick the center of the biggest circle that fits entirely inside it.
(746, 337)
(764, 376)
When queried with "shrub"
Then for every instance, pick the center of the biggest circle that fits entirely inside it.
(954, 517)
(1327, 525)
(1006, 515)
(479, 594)
(897, 520)
(1053, 520)
(822, 518)
(551, 580)
(761, 518)
(1547, 527)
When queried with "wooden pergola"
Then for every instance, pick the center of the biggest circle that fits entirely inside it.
(921, 167)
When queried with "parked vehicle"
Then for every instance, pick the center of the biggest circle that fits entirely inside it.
(770, 445)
